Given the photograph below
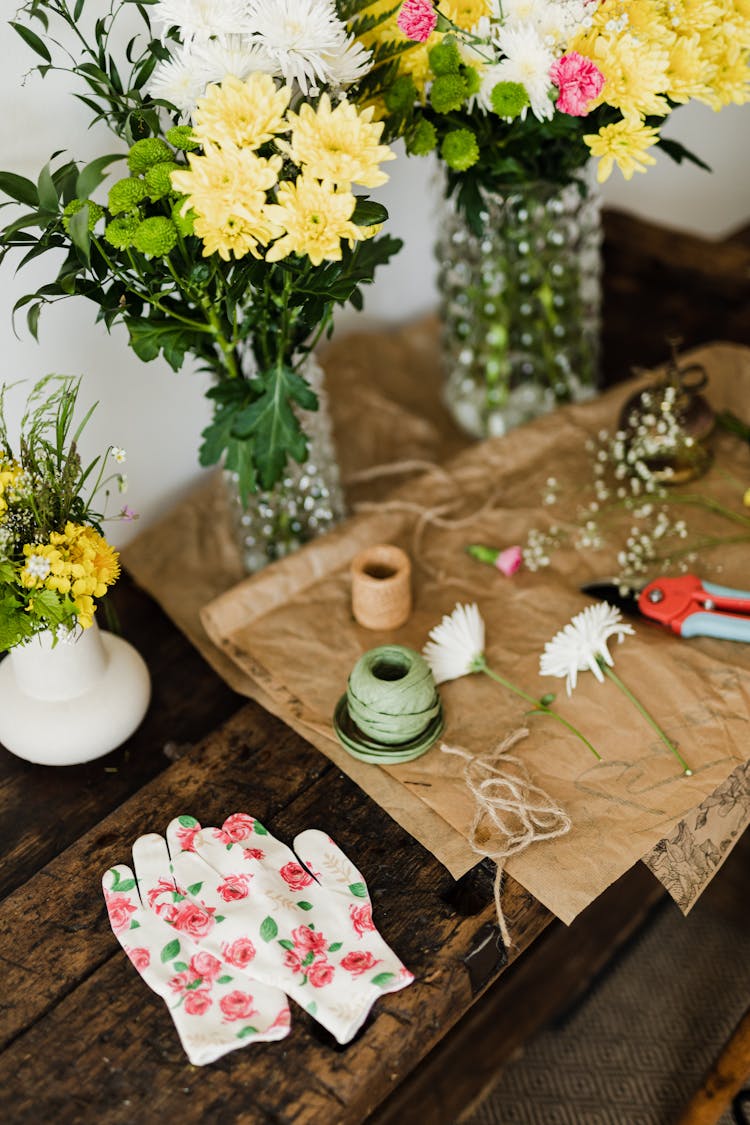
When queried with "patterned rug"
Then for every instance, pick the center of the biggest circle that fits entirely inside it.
(637, 1047)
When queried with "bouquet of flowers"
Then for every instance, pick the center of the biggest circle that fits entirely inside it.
(513, 91)
(54, 560)
(238, 224)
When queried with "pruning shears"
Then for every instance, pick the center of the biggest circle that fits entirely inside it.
(686, 604)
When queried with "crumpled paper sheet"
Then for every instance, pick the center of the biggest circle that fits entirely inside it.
(289, 634)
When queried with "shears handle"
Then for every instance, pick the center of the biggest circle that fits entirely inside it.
(725, 626)
(693, 608)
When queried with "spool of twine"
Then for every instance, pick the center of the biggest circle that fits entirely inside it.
(391, 694)
(381, 587)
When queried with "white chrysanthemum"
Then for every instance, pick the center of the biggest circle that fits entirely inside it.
(456, 646)
(181, 80)
(582, 642)
(555, 21)
(305, 39)
(528, 61)
(230, 54)
(200, 17)
(348, 64)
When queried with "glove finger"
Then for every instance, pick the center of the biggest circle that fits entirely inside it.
(330, 866)
(240, 844)
(153, 870)
(121, 896)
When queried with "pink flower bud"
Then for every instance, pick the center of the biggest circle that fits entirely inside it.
(509, 560)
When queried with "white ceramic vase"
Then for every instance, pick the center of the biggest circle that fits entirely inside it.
(73, 701)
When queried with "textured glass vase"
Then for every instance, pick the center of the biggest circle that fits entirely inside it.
(520, 305)
(306, 502)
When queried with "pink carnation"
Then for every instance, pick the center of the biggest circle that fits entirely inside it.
(417, 19)
(579, 81)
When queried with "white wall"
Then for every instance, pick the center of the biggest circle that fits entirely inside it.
(157, 415)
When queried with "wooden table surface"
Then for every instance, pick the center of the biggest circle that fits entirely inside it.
(81, 1037)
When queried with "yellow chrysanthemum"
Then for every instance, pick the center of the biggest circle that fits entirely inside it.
(729, 77)
(100, 560)
(10, 475)
(635, 75)
(77, 561)
(226, 190)
(340, 145)
(625, 144)
(687, 70)
(243, 113)
(466, 13)
(315, 218)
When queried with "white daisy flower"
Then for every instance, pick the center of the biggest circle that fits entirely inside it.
(305, 39)
(582, 643)
(119, 455)
(456, 647)
(528, 61)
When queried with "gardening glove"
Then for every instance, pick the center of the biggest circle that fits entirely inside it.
(309, 923)
(213, 1004)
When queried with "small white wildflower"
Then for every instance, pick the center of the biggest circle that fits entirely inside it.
(119, 455)
(38, 566)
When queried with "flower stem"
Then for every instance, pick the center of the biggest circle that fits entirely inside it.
(649, 718)
(482, 666)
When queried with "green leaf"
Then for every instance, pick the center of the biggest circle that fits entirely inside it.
(285, 943)
(31, 39)
(78, 228)
(312, 1007)
(48, 197)
(225, 979)
(271, 421)
(180, 966)
(548, 698)
(135, 925)
(259, 829)
(93, 174)
(367, 213)
(359, 890)
(304, 905)
(246, 1031)
(335, 946)
(219, 917)
(194, 888)
(124, 885)
(308, 958)
(188, 821)
(19, 188)
(170, 950)
(268, 929)
(194, 984)
(382, 978)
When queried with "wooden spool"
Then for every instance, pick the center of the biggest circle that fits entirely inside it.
(381, 587)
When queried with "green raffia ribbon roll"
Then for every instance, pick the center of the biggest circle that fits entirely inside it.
(391, 695)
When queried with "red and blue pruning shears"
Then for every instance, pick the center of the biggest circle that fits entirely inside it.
(686, 604)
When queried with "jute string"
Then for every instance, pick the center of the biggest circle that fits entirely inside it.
(509, 805)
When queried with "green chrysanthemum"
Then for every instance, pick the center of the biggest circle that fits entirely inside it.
(156, 236)
(183, 223)
(509, 99)
(125, 195)
(459, 149)
(401, 95)
(76, 205)
(472, 79)
(448, 93)
(144, 154)
(423, 139)
(157, 179)
(119, 233)
(181, 136)
(445, 58)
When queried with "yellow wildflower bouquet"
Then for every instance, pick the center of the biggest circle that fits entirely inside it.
(54, 559)
(520, 91)
(239, 223)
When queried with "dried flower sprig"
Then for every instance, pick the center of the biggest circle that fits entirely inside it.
(582, 645)
(456, 649)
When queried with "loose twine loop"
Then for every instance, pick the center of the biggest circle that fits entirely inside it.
(507, 803)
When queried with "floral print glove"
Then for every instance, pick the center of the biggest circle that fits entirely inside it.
(309, 925)
(213, 1004)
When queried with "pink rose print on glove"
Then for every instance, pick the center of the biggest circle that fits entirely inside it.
(197, 1002)
(237, 1006)
(361, 917)
(205, 966)
(359, 962)
(293, 961)
(163, 887)
(187, 835)
(141, 958)
(295, 876)
(235, 828)
(119, 908)
(240, 953)
(309, 940)
(284, 1019)
(320, 974)
(234, 887)
(253, 853)
(191, 919)
(180, 981)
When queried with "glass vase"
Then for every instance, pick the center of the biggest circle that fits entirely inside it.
(308, 501)
(520, 305)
